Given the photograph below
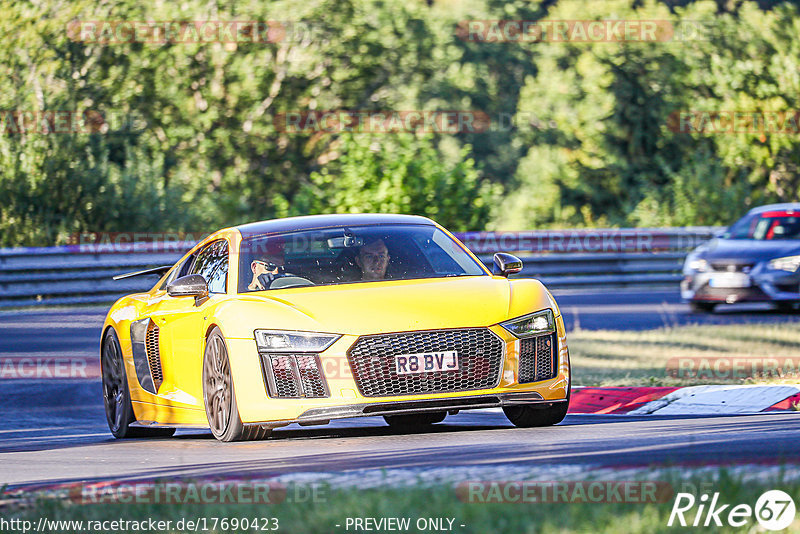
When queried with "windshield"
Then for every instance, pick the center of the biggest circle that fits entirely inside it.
(767, 226)
(346, 255)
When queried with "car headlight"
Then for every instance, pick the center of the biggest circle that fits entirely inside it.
(789, 263)
(698, 264)
(288, 341)
(534, 324)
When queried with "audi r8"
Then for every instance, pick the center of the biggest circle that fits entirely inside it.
(308, 319)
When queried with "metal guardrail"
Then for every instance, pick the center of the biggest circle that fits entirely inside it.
(81, 274)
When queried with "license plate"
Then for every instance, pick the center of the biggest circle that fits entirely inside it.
(730, 280)
(426, 362)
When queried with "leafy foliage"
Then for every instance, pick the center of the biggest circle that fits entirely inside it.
(400, 174)
(193, 138)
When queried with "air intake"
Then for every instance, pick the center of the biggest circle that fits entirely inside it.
(537, 358)
(293, 376)
(154, 355)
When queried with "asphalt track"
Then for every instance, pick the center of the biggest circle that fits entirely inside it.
(55, 431)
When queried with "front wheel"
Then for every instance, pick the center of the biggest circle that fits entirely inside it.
(218, 397)
(527, 416)
(533, 416)
(702, 307)
(117, 396)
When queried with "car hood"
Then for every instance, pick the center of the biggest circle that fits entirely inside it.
(747, 250)
(390, 306)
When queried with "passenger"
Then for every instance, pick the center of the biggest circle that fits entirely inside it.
(373, 259)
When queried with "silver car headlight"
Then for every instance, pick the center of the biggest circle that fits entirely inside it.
(534, 324)
(290, 341)
(789, 263)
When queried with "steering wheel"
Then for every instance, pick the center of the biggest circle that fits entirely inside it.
(289, 280)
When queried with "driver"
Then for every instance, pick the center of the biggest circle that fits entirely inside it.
(264, 272)
(268, 267)
(373, 259)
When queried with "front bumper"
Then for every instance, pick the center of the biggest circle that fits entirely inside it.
(321, 416)
(758, 285)
(345, 400)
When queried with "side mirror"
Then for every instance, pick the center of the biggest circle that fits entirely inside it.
(506, 264)
(192, 285)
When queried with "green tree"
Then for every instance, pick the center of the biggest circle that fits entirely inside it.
(400, 174)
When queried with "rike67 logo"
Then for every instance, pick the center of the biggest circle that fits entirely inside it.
(774, 510)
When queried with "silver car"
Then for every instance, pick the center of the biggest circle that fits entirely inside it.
(756, 259)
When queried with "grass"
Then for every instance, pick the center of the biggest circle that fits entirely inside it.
(335, 506)
(652, 357)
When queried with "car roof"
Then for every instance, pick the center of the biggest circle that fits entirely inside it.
(771, 207)
(309, 222)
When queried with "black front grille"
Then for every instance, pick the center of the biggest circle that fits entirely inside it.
(293, 376)
(741, 294)
(154, 355)
(788, 288)
(372, 362)
(537, 358)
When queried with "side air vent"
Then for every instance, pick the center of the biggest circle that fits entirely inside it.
(291, 376)
(537, 358)
(154, 355)
(146, 354)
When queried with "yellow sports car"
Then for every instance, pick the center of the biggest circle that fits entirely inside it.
(308, 319)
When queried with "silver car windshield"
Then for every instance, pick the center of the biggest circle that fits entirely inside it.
(345, 255)
(767, 226)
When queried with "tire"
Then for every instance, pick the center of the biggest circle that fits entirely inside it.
(117, 396)
(702, 307)
(528, 416)
(786, 307)
(218, 395)
(414, 421)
